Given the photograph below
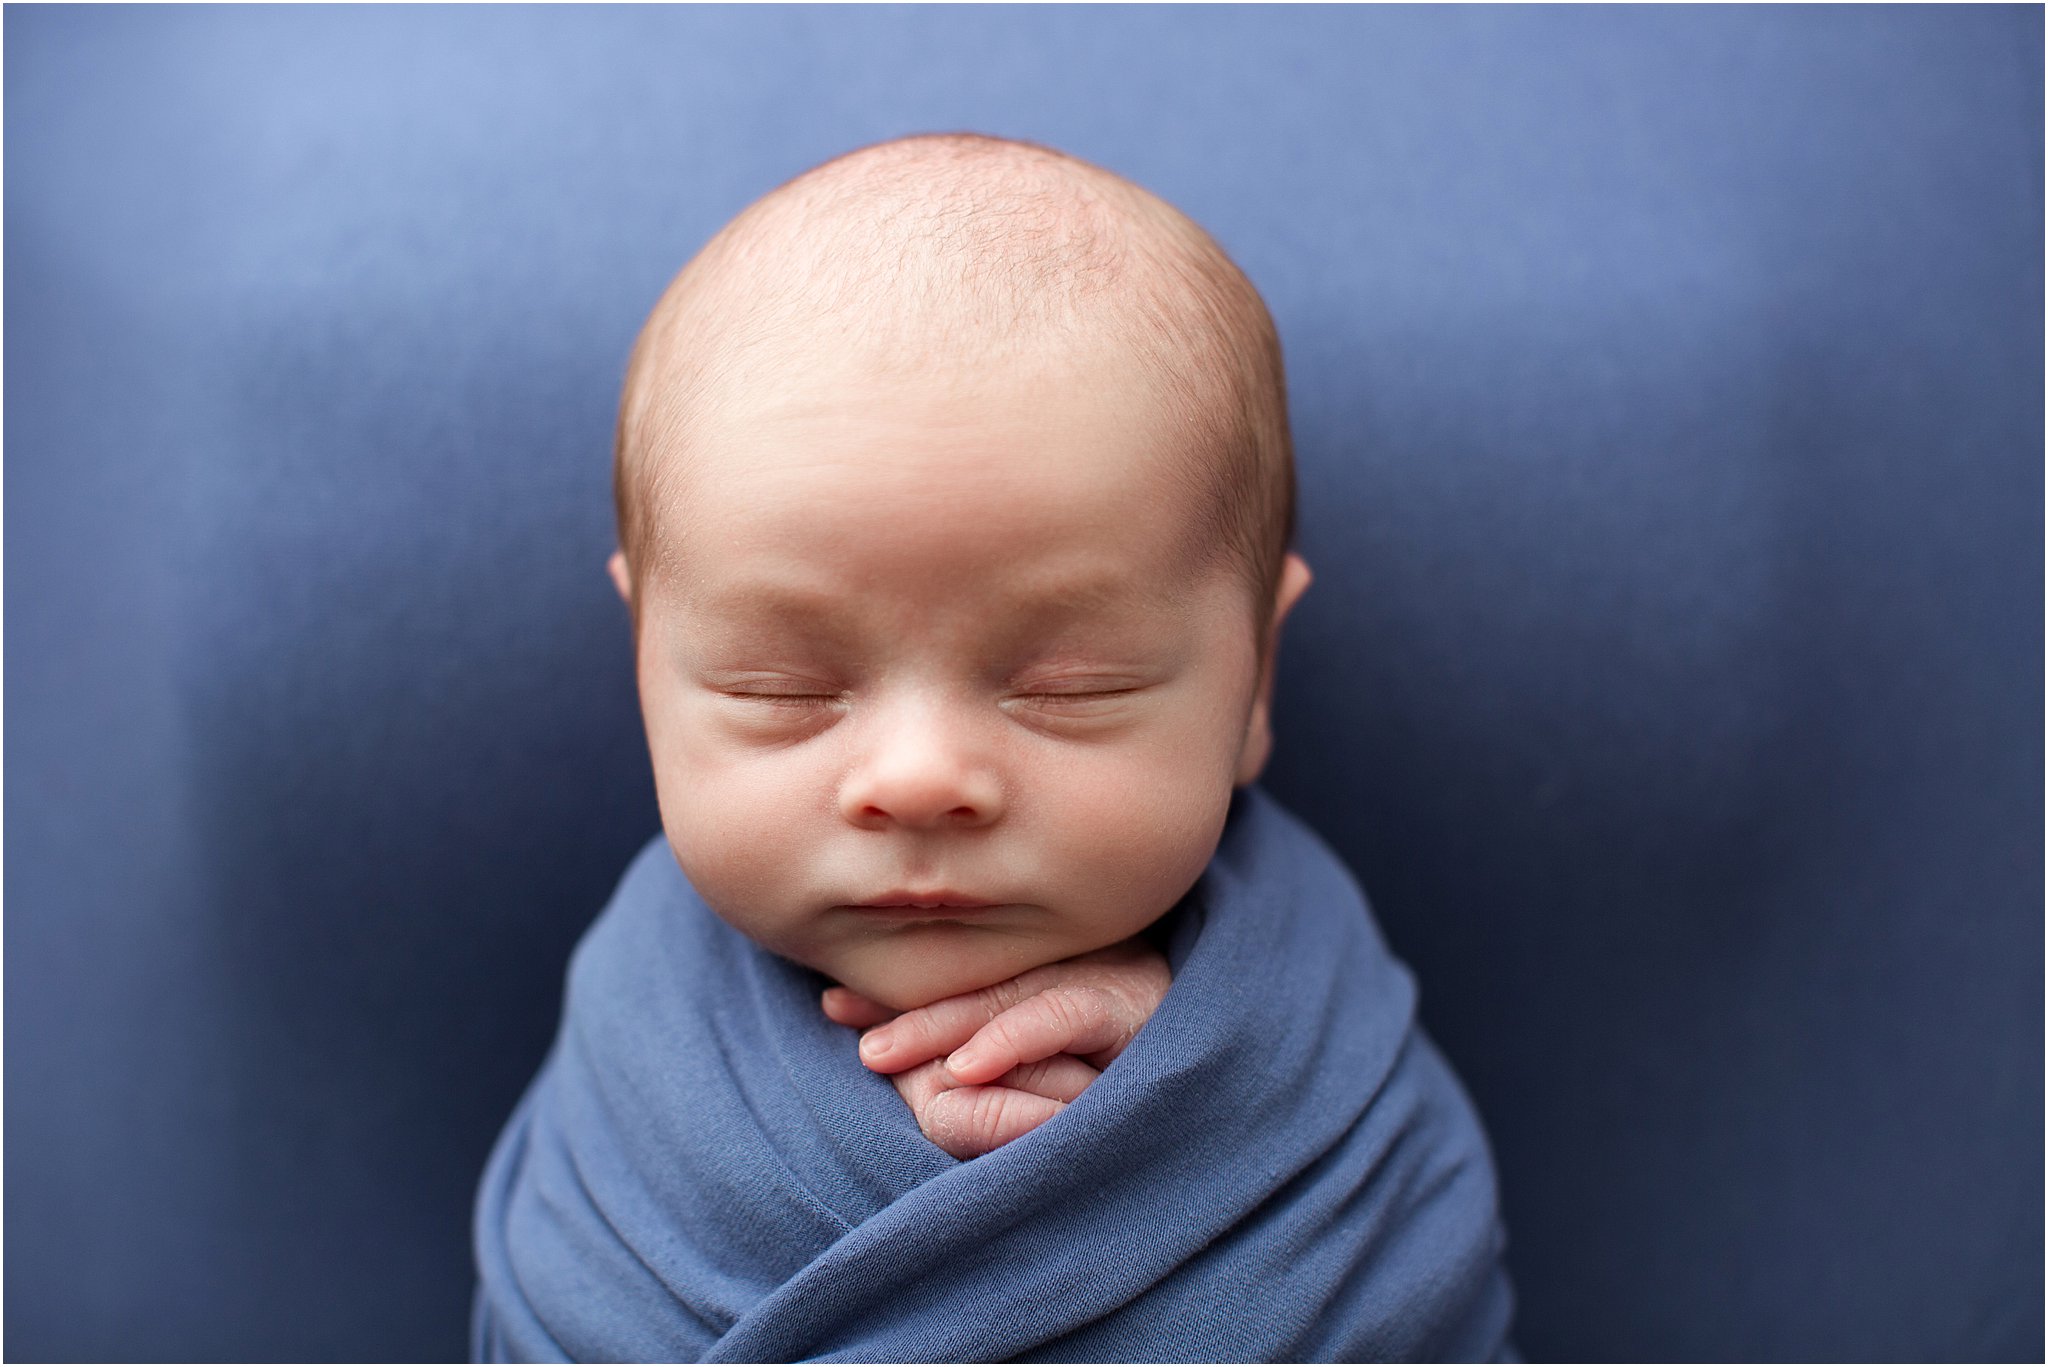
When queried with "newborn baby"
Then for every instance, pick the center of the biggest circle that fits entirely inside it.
(954, 494)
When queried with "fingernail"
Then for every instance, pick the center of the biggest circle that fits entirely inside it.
(963, 1057)
(874, 1044)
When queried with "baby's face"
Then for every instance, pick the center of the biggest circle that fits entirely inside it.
(942, 645)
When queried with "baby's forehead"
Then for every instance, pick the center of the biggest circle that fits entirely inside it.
(975, 432)
(1025, 480)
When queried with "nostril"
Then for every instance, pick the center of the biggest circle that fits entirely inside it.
(870, 814)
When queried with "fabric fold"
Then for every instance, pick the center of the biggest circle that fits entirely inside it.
(1279, 1167)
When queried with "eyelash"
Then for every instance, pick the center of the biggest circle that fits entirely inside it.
(1079, 695)
(805, 701)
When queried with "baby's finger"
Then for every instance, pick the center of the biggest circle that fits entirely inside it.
(1059, 1020)
(844, 1006)
(932, 1031)
(1059, 1078)
(968, 1122)
(917, 1087)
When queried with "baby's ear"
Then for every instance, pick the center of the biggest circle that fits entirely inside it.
(1258, 734)
(622, 578)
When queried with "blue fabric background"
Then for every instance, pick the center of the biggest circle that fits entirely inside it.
(1667, 385)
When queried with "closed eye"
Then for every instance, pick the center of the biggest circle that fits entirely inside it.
(792, 700)
(1080, 695)
(1078, 702)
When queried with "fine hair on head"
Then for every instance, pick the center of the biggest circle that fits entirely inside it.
(937, 255)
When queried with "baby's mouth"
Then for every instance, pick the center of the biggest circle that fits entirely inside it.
(941, 904)
(926, 900)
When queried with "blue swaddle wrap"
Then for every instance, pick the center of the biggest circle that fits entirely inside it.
(1279, 1167)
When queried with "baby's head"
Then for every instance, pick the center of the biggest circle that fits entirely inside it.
(954, 493)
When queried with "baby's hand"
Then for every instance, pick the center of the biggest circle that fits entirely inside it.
(1016, 1052)
(968, 1122)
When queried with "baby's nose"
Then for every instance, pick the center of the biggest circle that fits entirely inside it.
(916, 776)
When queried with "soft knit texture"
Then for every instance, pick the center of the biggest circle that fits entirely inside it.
(1279, 1167)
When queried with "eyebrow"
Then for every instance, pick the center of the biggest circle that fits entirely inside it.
(1062, 601)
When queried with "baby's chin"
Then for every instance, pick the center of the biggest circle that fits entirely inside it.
(915, 969)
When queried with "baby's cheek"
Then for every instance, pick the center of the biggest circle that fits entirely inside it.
(736, 821)
(1144, 830)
